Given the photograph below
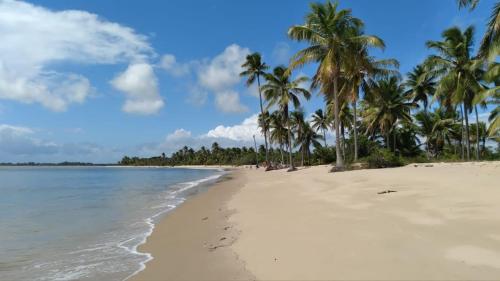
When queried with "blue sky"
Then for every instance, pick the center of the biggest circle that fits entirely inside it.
(89, 80)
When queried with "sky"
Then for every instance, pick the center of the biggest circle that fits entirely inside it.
(90, 80)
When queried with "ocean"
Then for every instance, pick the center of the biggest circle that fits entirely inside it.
(85, 223)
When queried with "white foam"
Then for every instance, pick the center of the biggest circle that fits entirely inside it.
(150, 221)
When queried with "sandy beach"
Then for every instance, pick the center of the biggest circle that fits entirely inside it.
(440, 221)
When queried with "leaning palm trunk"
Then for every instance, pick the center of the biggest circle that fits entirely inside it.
(467, 137)
(477, 133)
(355, 130)
(265, 129)
(339, 163)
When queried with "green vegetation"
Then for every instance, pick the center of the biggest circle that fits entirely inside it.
(376, 117)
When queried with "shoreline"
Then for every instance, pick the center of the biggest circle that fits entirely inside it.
(196, 232)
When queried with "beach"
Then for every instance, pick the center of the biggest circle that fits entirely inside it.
(421, 221)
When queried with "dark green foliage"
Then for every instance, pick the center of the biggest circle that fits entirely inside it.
(383, 158)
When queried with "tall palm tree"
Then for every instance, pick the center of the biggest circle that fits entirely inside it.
(280, 90)
(320, 122)
(357, 69)
(279, 132)
(298, 123)
(421, 85)
(457, 71)
(386, 106)
(330, 32)
(254, 69)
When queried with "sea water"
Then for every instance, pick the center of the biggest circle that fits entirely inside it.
(85, 223)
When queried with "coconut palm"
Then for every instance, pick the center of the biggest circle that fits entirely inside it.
(490, 44)
(357, 69)
(308, 138)
(278, 131)
(254, 69)
(280, 90)
(386, 106)
(421, 85)
(457, 70)
(330, 33)
(320, 122)
(298, 122)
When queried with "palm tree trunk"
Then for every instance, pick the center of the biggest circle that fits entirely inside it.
(289, 140)
(339, 163)
(394, 141)
(477, 133)
(324, 137)
(342, 131)
(462, 133)
(467, 137)
(355, 129)
(281, 152)
(262, 112)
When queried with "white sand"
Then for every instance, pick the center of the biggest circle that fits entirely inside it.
(442, 223)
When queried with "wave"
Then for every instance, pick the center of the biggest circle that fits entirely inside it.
(168, 206)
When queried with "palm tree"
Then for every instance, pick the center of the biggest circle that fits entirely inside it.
(279, 132)
(330, 32)
(320, 122)
(280, 90)
(298, 123)
(490, 44)
(308, 137)
(254, 69)
(386, 105)
(421, 84)
(458, 71)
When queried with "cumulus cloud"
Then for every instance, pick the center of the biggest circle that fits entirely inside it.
(218, 75)
(240, 132)
(36, 39)
(140, 85)
(227, 136)
(169, 63)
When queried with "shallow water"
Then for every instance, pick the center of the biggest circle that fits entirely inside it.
(84, 223)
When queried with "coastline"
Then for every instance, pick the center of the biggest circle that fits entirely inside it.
(192, 241)
(312, 224)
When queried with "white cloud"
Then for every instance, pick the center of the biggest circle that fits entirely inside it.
(179, 134)
(140, 85)
(169, 63)
(281, 53)
(221, 74)
(227, 136)
(36, 39)
(218, 75)
(229, 101)
(241, 132)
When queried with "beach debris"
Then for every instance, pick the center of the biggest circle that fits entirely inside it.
(386, 191)
(429, 165)
(204, 219)
(222, 239)
(275, 259)
(227, 227)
